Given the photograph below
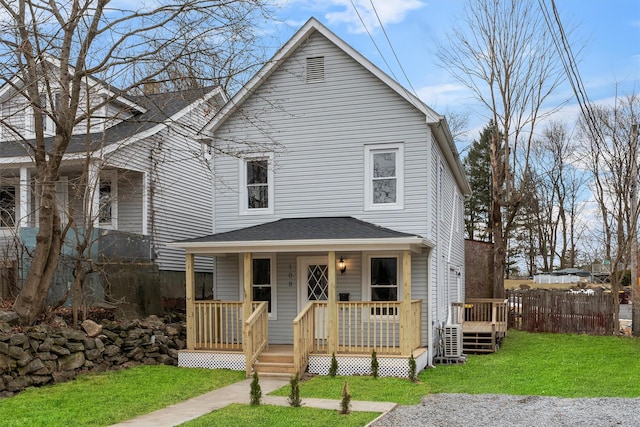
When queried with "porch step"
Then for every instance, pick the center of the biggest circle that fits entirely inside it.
(477, 342)
(277, 361)
(274, 368)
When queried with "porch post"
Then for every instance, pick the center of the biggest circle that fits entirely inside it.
(22, 218)
(405, 308)
(191, 309)
(332, 308)
(247, 294)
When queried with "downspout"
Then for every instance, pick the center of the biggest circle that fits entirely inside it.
(453, 218)
(430, 310)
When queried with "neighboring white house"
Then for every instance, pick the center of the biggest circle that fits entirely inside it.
(147, 183)
(340, 205)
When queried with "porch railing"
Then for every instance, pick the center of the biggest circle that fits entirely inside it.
(303, 337)
(485, 310)
(218, 325)
(364, 326)
(257, 334)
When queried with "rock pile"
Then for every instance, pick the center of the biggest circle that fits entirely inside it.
(45, 354)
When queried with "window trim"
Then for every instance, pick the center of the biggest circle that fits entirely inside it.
(369, 152)
(15, 205)
(366, 278)
(243, 193)
(274, 283)
(112, 176)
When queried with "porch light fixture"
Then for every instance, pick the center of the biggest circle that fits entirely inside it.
(342, 265)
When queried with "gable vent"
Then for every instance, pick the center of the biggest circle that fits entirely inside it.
(315, 69)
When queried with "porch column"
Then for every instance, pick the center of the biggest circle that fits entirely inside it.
(22, 218)
(191, 309)
(406, 326)
(332, 308)
(247, 294)
(92, 194)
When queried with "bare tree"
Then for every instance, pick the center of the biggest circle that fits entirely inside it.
(502, 55)
(50, 51)
(611, 159)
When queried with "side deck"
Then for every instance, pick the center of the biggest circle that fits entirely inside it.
(484, 323)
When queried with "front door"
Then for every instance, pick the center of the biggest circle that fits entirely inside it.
(313, 285)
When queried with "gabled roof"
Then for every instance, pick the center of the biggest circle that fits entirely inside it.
(434, 120)
(313, 234)
(159, 110)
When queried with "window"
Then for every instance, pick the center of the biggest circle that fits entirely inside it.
(263, 281)
(257, 184)
(7, 206)
(384, 176)
(315, 69)
(383, 282)
(48, 125)
(107, 196)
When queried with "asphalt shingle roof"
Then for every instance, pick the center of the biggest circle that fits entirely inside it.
(324, 228)
(159, 108)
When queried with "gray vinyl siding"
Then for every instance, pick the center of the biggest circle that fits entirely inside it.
(130, 199)
(321, 130)
(318, 133)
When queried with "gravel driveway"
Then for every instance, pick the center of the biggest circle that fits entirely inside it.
(452, 410)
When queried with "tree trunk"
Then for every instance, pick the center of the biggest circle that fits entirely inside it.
(30, 302)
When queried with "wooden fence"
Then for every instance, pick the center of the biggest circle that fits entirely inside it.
(537, 310)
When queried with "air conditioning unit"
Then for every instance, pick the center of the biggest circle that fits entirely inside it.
(453, 341)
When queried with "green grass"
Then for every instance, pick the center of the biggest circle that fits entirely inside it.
(527, 364)
(275, 416)
(108, 398)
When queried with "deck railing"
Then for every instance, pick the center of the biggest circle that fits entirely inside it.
(485, 310)
(218, 325)
(303, 337)
(256, 334)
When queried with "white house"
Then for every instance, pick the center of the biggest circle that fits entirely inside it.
(338, 219)
(133, 178)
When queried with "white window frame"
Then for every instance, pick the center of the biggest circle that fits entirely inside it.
(366, 277)
(112, 176)
(370, 151)
(243, 193)
(273, 315)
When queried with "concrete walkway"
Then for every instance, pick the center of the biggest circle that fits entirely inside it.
(239, 393)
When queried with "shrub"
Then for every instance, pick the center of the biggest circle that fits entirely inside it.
(345, 403)
(374, 364)
(333, 369)
(412, 369)
(256, 391)
(294, 395)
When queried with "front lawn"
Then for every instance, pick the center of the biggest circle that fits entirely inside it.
(526, 364)
(108, 398)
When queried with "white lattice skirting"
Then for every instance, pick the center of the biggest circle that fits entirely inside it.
(208, 360)
(361, 365)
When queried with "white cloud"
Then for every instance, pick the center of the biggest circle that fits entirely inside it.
(389, 12)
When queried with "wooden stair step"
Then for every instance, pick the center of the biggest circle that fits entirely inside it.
(274, 367)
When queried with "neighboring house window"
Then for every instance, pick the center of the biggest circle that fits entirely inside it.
(257, 184)
(48, 125)
(383, 279)
(384, 176)
(108, 192)
(7, 206)
(263, 281)
(315, 69)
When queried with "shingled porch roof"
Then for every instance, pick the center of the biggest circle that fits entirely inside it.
(305, 234)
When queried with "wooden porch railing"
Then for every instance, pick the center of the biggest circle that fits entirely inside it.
(218, 325)
(257, 334)
(490, 311)
(303, 337)
(364, 326)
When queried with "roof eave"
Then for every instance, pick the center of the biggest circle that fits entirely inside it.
(414, 243)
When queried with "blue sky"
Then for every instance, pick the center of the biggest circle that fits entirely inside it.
(609, 31)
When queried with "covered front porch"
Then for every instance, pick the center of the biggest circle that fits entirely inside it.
(324, 320)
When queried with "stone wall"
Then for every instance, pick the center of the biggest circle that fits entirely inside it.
(46, 354)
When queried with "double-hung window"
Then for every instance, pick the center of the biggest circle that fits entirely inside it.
(384, 176)
(256, 182)
(7, 206)
(108, 196)
(263, 281)
(382, 282)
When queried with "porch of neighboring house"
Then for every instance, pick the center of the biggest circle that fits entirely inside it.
(484, 323)
(235, 334)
